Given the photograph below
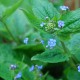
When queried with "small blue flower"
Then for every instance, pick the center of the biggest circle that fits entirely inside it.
(31, 68)
(40, 75)
(42, 41)
(39, 67)
(13, 66)
(46, 17)
(18, 76)
(78, 68)
(25, 40)
(51, 43)
(60, 24)
(42, 24)
(64, 8)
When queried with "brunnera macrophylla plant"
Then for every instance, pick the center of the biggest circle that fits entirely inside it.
(52, 38)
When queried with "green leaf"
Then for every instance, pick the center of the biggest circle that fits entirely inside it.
(32, 18)
(30, 47)
(51, 56)
(11, 10)
(72, 75)
(44, 8)
(74, 45)
(6, 58)
(72, 22)
(71, 17)
(70, 29)
(5, 72)
(7, 2)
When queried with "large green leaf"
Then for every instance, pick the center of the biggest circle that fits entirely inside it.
(7, 2)
(32, 18)
(72, 22)
(5, 73)
(71, 17)
(6, 59)
(51, 56)
(74, 45)
(44, 8)
(70, 29)
(11, 9)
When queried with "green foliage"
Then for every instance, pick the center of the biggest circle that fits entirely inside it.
(72, 22)
(72, 74)
(51, 56)
(23, 19)
(10, 10)
(41, 10)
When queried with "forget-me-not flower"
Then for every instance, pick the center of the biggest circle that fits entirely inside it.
(31, 68)
(51, 43)
(26, 40)
(64, 8)
(40, 75)
(18, 76)
(13, 66)
(78, 68)
(42, 41)
(46, 17)
(61, 24)
(42, 24)
(39, 67)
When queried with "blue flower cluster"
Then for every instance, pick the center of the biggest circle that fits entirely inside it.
(42, 24)
(25, 40)
(60, 24)
(78, 68)
(51, 43)
(33, 67)
(64, 8)
(18, 76)
(13, 66)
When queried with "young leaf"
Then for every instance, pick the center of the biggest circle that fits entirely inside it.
(11, 10)
(51, 56)
(33, 19)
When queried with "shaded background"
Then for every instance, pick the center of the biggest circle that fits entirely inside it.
(73, 4)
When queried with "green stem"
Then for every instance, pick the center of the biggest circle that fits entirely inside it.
(64, 47)
(71, 62)
(8, 31)
(23, 58)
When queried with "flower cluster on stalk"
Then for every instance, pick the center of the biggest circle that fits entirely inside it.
(51, 26)
(39, 67)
